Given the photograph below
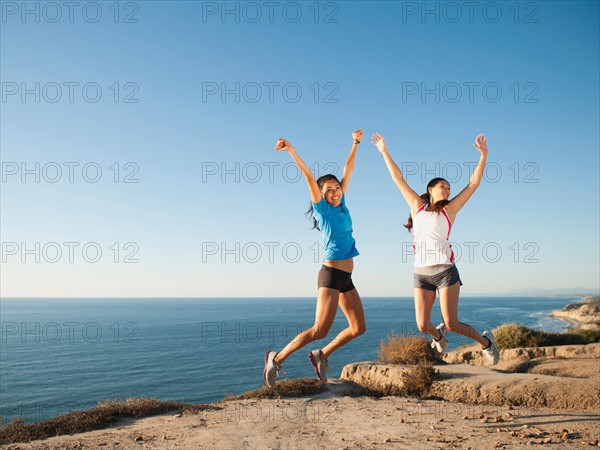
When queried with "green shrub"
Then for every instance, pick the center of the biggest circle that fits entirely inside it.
(590, 336)
(515, 335)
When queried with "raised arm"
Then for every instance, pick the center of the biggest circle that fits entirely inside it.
(459, 201)
(349, 166)
(315, 194)
(413, 199)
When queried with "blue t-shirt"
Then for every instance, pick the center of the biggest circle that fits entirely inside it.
(335, 224)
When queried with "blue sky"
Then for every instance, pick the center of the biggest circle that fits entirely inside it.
(210, 209)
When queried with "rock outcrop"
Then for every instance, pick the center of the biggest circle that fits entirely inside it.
(565, 377)
(584, 315)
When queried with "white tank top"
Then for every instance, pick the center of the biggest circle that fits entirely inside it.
(431, 231)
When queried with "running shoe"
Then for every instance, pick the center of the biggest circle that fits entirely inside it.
(272, 369)
(320, 365)
(442, 344)
(491, 352)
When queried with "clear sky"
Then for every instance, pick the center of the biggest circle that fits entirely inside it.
(137, 142)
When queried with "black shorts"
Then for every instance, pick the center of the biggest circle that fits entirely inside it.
(445, 278)
(337, 279)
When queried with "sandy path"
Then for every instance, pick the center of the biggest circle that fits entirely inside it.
(344, 422)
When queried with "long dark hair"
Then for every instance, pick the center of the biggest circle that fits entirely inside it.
(436, 207)
(320, 182)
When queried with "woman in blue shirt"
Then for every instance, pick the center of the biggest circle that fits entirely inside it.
(332, 218)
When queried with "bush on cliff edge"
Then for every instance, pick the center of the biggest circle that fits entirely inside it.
(515, 335)
(410, 350)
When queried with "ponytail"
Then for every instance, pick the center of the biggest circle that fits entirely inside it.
(436, 207)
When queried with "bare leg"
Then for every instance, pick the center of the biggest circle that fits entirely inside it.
(327, 304)
(423, 305)
(353, 310)
(449, 306)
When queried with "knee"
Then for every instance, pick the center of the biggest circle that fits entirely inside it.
(422, 327)
(318, 332)
(358, 330)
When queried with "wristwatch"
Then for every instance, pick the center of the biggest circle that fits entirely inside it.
(356, 141)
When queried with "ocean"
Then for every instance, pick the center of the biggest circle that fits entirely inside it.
(58, 355)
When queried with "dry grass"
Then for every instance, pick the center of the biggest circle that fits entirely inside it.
(285, 388)
(414, 351)
(515, 335)
(400, 349)
(103, 415)
(416, 381)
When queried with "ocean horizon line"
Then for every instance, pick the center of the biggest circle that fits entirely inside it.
(229, 297)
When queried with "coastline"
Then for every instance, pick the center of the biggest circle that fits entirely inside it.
(535, 396)
(572, 324)
(51, 397)
(554, 388)
(582, 315)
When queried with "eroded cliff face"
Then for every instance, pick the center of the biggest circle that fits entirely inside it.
(566, 376)
(584, 315)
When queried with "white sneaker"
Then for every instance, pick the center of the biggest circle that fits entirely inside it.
(271, 371)
(320, 365)
(492, 354)
(442, 344)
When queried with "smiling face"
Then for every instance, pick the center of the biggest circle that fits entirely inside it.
(332, 192)
(439, 191)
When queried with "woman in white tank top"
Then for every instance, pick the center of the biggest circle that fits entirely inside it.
(432, 215)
